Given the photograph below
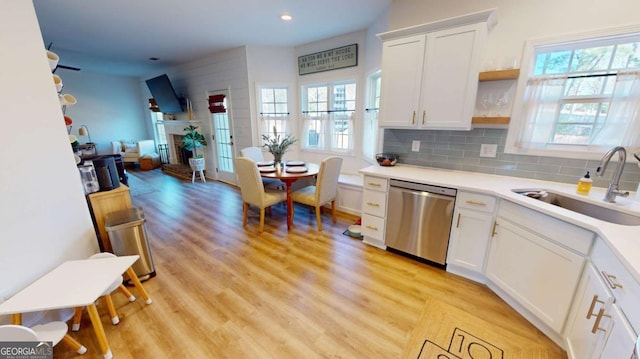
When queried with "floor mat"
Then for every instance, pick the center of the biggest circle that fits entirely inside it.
(446, 332)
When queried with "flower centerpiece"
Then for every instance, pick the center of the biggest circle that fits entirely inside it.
(276, 146)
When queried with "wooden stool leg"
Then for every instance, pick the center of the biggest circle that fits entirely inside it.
(99, 330)
(16, 319)
(134, 278)
(77, 315)
(112, 309)
(127, 293)
(245, 213)
(73, 344)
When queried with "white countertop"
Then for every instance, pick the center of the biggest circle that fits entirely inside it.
(623, 240)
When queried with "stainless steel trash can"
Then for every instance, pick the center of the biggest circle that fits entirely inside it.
(128, 236)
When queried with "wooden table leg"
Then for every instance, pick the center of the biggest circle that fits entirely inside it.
(100, 334)
(289, 206)
(136, 282)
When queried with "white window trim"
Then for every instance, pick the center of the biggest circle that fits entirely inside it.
(303, 105)
(518, 116)
(291, 127)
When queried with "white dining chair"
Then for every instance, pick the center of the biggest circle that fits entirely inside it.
(324, 191)
(253, 190)
(53, 332)
(256, 154)
(106, 296)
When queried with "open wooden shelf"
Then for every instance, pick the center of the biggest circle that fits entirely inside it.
(497, 75)
(490, 120)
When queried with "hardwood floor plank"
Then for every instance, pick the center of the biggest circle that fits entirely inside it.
(224, 291)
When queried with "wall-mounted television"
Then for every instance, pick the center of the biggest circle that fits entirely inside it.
(164, 94)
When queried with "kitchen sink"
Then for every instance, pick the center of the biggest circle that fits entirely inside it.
(580, 206)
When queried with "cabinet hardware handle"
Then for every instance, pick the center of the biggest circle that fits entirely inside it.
(495, 229)
(424, 114)
(372, 227)
(413, 118)
(595, 300)
(373, 184)
(373, 204)
(596, 324)
(458, 221)
(610, 280)
(476, 203)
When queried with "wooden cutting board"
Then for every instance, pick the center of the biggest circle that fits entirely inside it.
(446, 332)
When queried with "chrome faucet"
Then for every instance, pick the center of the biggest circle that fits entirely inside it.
(613, 191)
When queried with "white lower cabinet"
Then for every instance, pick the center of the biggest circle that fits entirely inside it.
(470, 232)
(374, 210)
(621, 337)
(538, 274)
(584, 341)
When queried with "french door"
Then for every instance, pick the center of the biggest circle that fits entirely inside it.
(222, 138)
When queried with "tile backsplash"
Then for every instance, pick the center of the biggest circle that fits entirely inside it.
(460, 150)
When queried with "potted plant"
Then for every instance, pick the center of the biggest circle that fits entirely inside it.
(276, 146)
(191, 141)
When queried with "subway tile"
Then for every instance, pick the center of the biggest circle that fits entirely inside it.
(448, 152)
(563, 162)
(515, 173)
(538, 168)
(497, 164)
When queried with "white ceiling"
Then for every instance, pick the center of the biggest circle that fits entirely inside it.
(119, 36)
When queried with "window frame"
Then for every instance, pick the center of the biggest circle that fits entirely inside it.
(518, 118)
(287, 124)
(327, 142)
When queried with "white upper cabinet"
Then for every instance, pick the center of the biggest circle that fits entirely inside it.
(430, 73)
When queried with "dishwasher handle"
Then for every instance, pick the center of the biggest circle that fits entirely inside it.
(421, 187)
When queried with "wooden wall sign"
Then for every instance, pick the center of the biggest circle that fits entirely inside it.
(338, 58)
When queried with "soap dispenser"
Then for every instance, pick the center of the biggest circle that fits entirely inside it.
(584, 184)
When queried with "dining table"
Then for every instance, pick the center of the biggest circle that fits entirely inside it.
(74, 283)
(289, 172)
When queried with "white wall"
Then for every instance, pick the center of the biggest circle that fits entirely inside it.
(111, 106)
(44, 218)
(351, 163)
(520, 20)
(271, 66)
(220, 71)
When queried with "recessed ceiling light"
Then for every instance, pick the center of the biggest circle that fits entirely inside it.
(286, 17)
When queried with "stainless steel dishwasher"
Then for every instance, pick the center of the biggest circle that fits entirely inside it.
(419, 219)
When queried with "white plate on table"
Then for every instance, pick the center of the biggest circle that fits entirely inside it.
(297, 169)
(267, 169)
(264, 163)
(295, 163)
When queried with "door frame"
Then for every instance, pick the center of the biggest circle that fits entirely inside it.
(223, 176)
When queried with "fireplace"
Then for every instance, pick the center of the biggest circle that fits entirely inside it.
(174, 131)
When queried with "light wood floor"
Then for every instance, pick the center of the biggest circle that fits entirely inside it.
(224, 291)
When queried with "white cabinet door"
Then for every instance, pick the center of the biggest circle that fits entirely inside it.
(469, 239)
(621, 337)
(430, 80)
(402, 64)
(450, 81)
(540, 275)
(591, 297)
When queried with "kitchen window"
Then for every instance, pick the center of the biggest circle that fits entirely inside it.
(273, 102)
(328, 116)
(581, 96)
